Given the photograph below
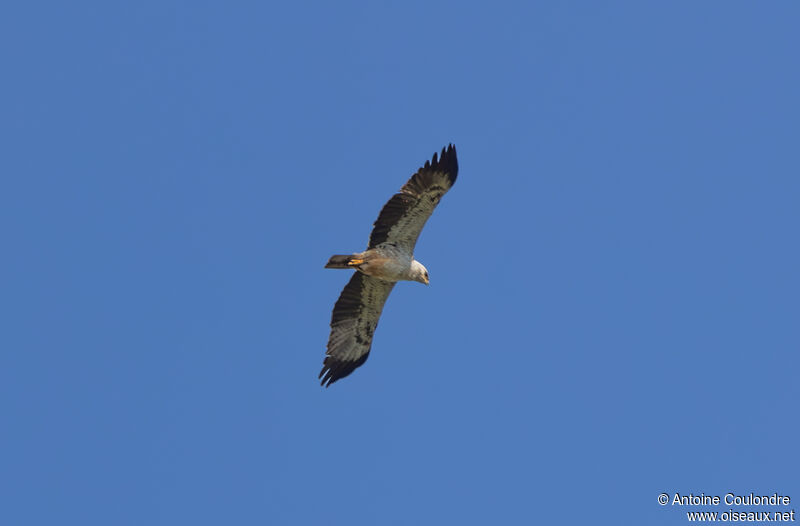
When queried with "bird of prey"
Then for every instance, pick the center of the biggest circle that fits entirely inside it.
(389, 258)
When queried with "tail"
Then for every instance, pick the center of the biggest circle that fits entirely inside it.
(340, 262)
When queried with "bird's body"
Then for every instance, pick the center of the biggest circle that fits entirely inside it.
(386, 262)
(389, 258)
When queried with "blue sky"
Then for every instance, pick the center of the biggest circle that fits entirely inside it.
(613, 309)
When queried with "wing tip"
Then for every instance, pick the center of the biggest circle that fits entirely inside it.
(334, 370)
(446, 162)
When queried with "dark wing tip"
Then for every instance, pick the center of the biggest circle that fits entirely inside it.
(447, 162)
(333, 369)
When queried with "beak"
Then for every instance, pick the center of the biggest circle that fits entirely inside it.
(427, 281)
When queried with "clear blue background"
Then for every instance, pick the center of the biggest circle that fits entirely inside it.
(613, 309)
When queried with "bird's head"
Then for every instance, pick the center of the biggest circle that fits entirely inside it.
(419, 272)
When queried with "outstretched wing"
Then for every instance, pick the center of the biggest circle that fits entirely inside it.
(353, 323)
(402, 218)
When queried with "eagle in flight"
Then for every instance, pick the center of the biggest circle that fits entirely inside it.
(389, 258)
